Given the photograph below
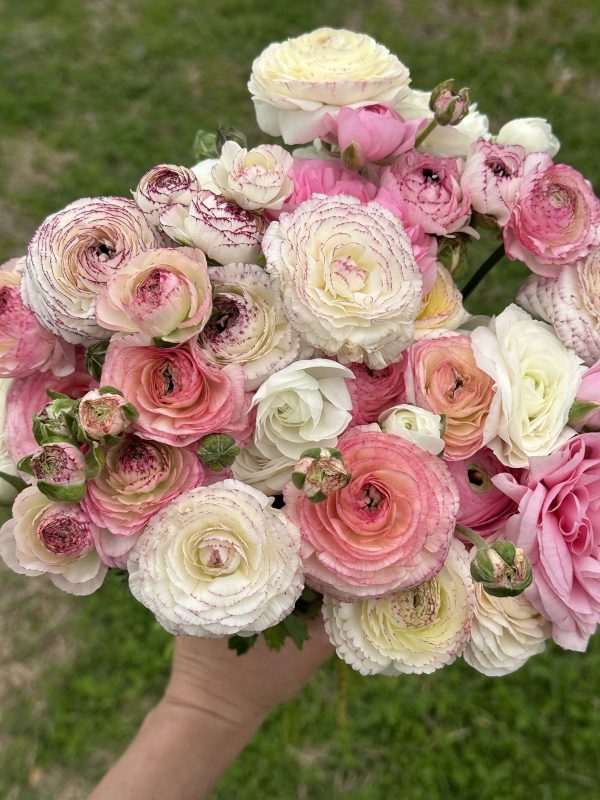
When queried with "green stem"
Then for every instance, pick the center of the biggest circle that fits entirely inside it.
(341, 699)
(471, 535)
(425, 133)
(483, 270)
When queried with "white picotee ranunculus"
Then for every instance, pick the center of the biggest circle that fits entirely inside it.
(534, 134)
(254, 179)
(571, 303)
(218, 561)
(536, 378)
(7, 492)
(415, 424)
(505, 633)
(163, 186)
(72, 255)
(224, 231)
(296, 83)
(442, 307)
(348, 278)
(203, 172)
(445, 140)
(418, 630)
(248, 326)
(303, 405)
(265, 473)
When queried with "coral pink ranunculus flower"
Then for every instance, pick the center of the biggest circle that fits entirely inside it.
(442, 376)
(555, 219)
(558, 527)
(179, 396)
(316, 176)
(388, 530)
(139, 478)
(375, 390)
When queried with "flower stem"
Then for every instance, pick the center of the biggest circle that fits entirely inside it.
(483, 270)
(341, 699)
(471, 535)
(425, 133)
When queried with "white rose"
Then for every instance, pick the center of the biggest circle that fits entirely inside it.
(418, 630)
(254, 179)
(224, 231)
(295, 84)
(415, 424)
(57, 539)
(442, 307)
(162, 186)
(348, 278)
(203, 172)
(217, 561)
(505, 633)
(305, 404)
(7, 493)
(532, 133)
(248, 326)
(537, 379)
(445, 140)
(267, 474)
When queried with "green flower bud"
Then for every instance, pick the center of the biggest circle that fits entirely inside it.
(218, 451)
(449, 107)
(205, 145)
(230, 135)
(319, 473)
(502, 569)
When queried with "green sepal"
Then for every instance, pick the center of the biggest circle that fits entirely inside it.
(225, 134)
(313, 452)
(130, 411)
(94, 461)
(299, 479)
(482, 569)
(205, 145)
(94, 358)
(317, 497)
(110, 390)
(241, 644)
(579, 411)
(351, 157)
(58, 395)
(63, 493)
(17, 483)
(506, 550)
(158, 342)
(24, 465)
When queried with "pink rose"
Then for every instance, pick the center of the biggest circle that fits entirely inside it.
(558, 527)
(442, 376)
(28, 396)
(26, 347)
(138, 478)
(555, 219)
(179, 396)
(492, 176)
(388, 530)
(483, 507)
(374, 133)
(375, 390)
(325, 177)
(429, 188)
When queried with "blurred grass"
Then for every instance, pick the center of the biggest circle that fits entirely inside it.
(93, 93)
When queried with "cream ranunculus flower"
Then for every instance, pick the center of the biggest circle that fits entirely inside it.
(296, 83)
(163, 186)
(536, 378)
(348, 278)
(445, 140)
(265, 473)
(248, 326)
(505, 633)
(217, 561)
(418, 630)
(203, 172)
(254, 179)
(442, 308)
(7, 493)
(532, 133)
(303, 405)
(415, 424)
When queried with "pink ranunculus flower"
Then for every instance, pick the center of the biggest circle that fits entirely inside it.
(555, 219)
(388, 530)
(492, 176)
(315, 176)
(374, 133)
(558, 527)
(375, 390)
(429, 189)
(483, 507)
(57, 539)
(114, 550)
(589, 392)
(163, 293)
(442, 376)
(25, 346)
(103, 413)
(179, 396)
(162, 186)
(138, 478)
(28, 396)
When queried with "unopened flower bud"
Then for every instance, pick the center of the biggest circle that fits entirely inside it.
(502, 569)
(230, 135)
(104, 413)
(218, 451)
(60, 470)
(52, 423)
(319, 473)
(205, 145)
(449, 107)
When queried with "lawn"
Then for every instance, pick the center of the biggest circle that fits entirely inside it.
(93, 93)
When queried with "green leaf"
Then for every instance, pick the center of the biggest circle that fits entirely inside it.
(17, 483)
(295, 627)
(579, 411)
(275, 637)
(241, 644)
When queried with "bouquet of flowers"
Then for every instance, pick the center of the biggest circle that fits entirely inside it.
(254, 387)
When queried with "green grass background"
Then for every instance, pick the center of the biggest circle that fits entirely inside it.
(93, 93)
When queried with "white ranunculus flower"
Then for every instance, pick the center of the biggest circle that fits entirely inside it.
(254, 179)
(162, 186)
(536, 378)
(248, 326)
(532, 133)
(224, 231)
(217, 561)
(415, 424)
(418, 630)
(7, 493)
(348, 278)
(203, 172)
(296, 83)
(442, 308)
(72, 255)
(267, 474)
(445, 140)
(303, 405)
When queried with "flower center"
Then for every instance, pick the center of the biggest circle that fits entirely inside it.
(417, 607)
(65, 536)
(498, 168)
(372, 496)
(104, 251)
(347, 275)
(479, 478)
(430, 176)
